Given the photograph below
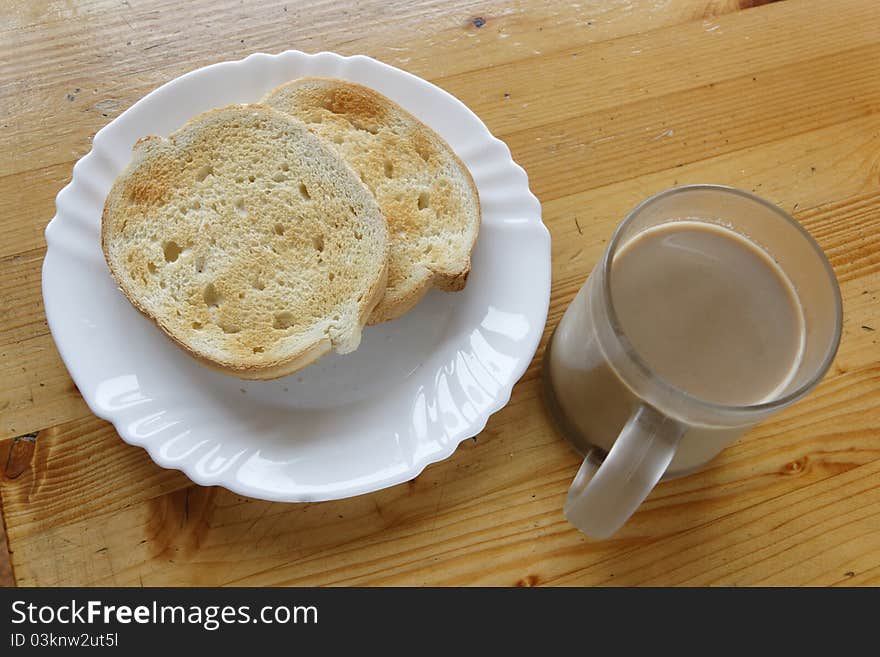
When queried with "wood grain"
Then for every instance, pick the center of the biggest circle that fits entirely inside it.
(603, 103)
(7, 579)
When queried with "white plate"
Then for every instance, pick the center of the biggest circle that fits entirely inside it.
(351, 424)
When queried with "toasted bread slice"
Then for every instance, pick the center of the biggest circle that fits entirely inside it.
(424, 190)
(248, 241)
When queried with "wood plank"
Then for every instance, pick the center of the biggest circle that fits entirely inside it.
(27, 202)
(804, 537)
(21, 297)
(642, 137)
(7, 578)
(36, 391)
(104, 58)
(567, 84)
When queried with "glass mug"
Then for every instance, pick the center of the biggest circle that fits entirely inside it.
(634, 427)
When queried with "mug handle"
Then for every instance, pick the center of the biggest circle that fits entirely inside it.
(604, 494)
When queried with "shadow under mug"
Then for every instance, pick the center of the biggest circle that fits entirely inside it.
(632, 426)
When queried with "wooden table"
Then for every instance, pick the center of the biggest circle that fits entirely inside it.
(603, 102)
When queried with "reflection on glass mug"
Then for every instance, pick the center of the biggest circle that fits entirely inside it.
(709, 310)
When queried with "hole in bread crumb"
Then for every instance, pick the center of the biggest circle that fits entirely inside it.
(229, 328)
(318, 242)
(304, 192)
(279, 229)
(335, 318)
(331, 276)
(279, 177)
(238, 204)
(195, 205)
(162, 284)
(389, 169)
(204, 171)
(358, 235)
(197, 326)
(177, 312)
(211, 296)
(258, 350)
(285, 167)
(424, 200)
(130, 257)
(151, 268)
(283, 320)
(258, 284)
(428, 249)
(241, 295)
(172, 251)
(251, 178)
